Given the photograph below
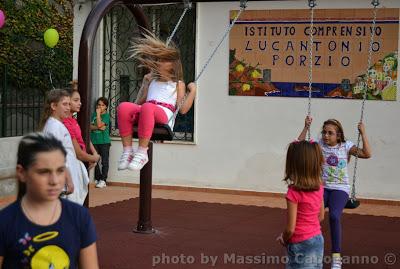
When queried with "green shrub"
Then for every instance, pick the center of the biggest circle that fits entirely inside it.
(22, 48)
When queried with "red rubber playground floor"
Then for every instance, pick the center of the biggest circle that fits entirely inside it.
(197, 235)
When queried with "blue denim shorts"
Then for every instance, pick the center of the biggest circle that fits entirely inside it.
(307, 254)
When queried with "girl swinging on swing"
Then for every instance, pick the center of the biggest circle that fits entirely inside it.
(337, 151)
(161, 91)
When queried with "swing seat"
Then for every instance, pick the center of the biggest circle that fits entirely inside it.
(352, 203)
(161, 132)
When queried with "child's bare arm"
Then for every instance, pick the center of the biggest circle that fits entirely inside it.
(142, 95)
(307, 124)
(192, 88)
(291, 221)
(88, 257)
(83, 155)
(69, 183)
(99, 123)
(92, 148)
(365, 151)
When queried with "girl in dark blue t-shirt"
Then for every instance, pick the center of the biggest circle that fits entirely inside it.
(40, 230)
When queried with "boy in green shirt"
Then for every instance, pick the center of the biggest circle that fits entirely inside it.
(100, 137)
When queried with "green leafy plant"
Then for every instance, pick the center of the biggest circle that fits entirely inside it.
(29, 62)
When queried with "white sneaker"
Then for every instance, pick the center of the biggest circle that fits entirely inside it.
(101, 184)
(138, 161)
(124, 160)
(336, 263)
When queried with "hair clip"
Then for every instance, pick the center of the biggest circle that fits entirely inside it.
(311, 141)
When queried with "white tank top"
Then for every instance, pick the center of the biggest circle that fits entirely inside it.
(161, 91)
(164, 92)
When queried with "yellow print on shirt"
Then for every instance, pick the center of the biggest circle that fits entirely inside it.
(50, 257)
(47, 257)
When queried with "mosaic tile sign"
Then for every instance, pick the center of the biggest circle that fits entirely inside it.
(269, 53)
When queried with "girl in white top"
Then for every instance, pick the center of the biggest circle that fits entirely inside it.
(161, 91)
(57, 108)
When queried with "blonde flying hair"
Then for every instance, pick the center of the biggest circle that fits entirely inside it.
(304, 162)
(149, 51)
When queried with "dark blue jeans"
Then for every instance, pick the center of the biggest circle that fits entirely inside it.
(335, 200)
(104, 151)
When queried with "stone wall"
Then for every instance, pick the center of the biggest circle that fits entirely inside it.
(8, 153)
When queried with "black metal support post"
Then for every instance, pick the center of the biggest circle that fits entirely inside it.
(144, 224)
(85, 60)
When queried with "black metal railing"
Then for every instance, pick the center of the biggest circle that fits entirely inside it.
(20, 109)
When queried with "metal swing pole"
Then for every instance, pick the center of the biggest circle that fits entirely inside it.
(144, 224)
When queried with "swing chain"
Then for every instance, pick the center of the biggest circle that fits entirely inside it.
(242, 8)
(243, 4)
(188, 5)
(312, 4)
(375, 3)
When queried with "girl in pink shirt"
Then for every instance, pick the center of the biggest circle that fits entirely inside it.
(75, 130)
(79, 145)
(305, 206)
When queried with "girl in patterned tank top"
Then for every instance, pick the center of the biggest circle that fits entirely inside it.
(337, 151)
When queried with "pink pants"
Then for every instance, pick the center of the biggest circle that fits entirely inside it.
(146, 115)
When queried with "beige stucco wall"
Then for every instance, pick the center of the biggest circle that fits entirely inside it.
(240, 142)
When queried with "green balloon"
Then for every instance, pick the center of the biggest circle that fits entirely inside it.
(51, 37)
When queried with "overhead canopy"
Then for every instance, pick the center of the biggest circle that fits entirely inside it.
(194, 1)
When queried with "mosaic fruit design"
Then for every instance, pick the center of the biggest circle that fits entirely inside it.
(381, 80)
(245, 79)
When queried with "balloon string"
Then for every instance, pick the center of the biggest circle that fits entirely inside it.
(51, 80)
(50, 76)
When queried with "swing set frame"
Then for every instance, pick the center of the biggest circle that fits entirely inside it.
(85, 62)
